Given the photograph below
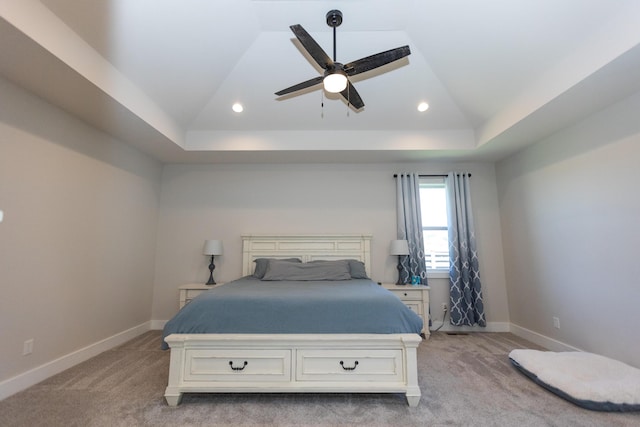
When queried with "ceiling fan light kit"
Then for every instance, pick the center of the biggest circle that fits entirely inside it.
(335, 81)
(336, 75)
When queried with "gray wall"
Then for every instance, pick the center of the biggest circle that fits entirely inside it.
(201, 202)
(78, 237)
(570, 207)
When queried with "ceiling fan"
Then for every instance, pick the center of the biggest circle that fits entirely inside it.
(336, 75)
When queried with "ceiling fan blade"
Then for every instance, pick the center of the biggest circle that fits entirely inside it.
(314, 81)
(311, 46)
(351, 95)
(374, 61)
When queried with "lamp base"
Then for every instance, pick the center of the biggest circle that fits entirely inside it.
(399, 282)
(211, 268)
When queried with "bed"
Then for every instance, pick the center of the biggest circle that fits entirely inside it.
(320, 359)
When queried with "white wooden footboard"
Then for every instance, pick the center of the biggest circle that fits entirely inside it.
(350, 363)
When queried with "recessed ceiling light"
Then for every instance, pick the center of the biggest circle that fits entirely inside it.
(237, 107)
(423, 106)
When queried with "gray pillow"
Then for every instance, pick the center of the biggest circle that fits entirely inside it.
(356, 268)
(283, 270)
(263, 263)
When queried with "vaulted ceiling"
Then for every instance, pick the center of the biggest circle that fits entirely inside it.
(162, 75)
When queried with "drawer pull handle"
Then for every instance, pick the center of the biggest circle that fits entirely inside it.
(239, 368)
(349, 368)
(405, 294)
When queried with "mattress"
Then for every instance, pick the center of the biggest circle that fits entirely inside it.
(253, 306)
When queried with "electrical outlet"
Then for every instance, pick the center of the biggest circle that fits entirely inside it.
(27, 348)
(444, 307)
(556, 322)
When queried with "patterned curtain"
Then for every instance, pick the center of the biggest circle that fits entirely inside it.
(464, 275)
(410, 227)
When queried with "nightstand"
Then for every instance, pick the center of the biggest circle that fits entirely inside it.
(192, 290)
(416, 297)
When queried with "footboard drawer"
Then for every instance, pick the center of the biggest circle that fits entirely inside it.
(238, 365)
(349, 365)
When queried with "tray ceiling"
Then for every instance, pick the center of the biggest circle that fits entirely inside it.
(163, 74)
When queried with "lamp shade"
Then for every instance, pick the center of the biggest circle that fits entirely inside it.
(212, 247)
(399, 247)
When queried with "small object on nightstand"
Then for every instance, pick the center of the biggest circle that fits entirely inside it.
(212, 247)
(399, 248)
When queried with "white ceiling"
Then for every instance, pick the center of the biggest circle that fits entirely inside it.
(162, 74)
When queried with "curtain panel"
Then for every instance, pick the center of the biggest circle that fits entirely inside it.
(464, 274)
(409, 221)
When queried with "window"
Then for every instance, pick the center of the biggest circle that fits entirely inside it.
(435, 225)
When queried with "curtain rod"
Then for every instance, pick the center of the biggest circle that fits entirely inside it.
(395, 175)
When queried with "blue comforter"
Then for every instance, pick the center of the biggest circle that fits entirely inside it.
(251, 306)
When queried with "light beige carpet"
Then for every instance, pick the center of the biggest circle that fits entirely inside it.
(466, 380)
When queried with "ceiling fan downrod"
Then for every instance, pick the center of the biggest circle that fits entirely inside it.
(334, 19)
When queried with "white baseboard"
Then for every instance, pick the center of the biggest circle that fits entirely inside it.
(534, 337)
(542, 340)
(491, 327)
(34, 376)
(157, 324)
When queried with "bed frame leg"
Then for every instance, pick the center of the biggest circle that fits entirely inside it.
(411, 360)
(173, 399)
(413, 400)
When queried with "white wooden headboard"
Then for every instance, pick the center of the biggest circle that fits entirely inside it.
(307, 247)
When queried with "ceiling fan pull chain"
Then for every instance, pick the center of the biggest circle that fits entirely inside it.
(322, 104)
